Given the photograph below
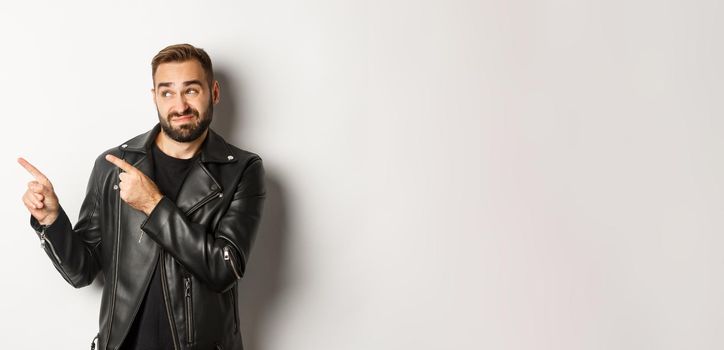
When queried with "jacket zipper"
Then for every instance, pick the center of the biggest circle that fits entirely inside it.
(236, 311)
(164, 285)
(204, 201)
(46, 244)
(189, 311)
(115, 258)
(232, 261)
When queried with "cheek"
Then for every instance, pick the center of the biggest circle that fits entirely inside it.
(199, 107)
(164, 108)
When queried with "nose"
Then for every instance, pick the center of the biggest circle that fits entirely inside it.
(180, 104)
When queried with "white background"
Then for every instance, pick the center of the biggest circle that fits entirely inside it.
(442, 174)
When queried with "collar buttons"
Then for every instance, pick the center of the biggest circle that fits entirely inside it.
(229, 157)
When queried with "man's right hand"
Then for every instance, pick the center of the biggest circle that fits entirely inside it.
(40, 198)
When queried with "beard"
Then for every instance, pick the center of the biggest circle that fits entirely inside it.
(189, 131)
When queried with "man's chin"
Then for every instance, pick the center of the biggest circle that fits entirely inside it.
(186, 133)
(186, 130)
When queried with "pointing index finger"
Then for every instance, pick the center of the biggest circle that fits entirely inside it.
(120, 163)
(31, 169)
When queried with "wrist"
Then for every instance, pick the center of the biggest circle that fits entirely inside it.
(152, 204)
(48, 220)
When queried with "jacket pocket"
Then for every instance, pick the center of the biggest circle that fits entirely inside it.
(189, 310)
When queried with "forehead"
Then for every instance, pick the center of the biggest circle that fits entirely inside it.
(178, 72)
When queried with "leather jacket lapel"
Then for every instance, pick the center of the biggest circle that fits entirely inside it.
(198, 186)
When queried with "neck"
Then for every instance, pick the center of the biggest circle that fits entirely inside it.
(181, 150)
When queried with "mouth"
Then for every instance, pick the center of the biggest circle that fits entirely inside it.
(182, 118)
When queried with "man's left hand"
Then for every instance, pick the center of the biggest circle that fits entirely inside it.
(137, 189)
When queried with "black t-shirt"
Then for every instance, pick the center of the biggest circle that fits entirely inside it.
(151, 328)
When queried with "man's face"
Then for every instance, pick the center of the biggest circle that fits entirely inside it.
(184, 100)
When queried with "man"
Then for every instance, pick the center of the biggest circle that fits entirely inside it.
(169, 217)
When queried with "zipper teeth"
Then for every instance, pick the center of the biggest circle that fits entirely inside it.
(47, 242)
(236, 310)
(164, 287)
(189, 311)
(52, 250)
(115, 264)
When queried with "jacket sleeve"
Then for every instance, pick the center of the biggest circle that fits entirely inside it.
(75, 251)
(218, 258)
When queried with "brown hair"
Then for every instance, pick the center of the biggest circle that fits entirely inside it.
(182, 53)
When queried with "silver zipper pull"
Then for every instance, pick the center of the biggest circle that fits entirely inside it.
(42, 236)
(227, 257)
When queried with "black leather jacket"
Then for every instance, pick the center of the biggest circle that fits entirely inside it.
(202, 241)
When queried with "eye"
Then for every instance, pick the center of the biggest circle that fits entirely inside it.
(166, 93)
(192, 92)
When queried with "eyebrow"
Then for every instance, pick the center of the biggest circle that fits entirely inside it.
(185, 83)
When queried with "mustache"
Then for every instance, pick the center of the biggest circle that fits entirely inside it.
(187, 111)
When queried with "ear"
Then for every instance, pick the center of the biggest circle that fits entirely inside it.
(153, 95)
(216, 92)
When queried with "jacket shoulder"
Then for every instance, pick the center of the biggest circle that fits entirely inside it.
(244, 156)
(101, 164)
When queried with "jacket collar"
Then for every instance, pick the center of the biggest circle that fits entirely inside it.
(214, 149)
